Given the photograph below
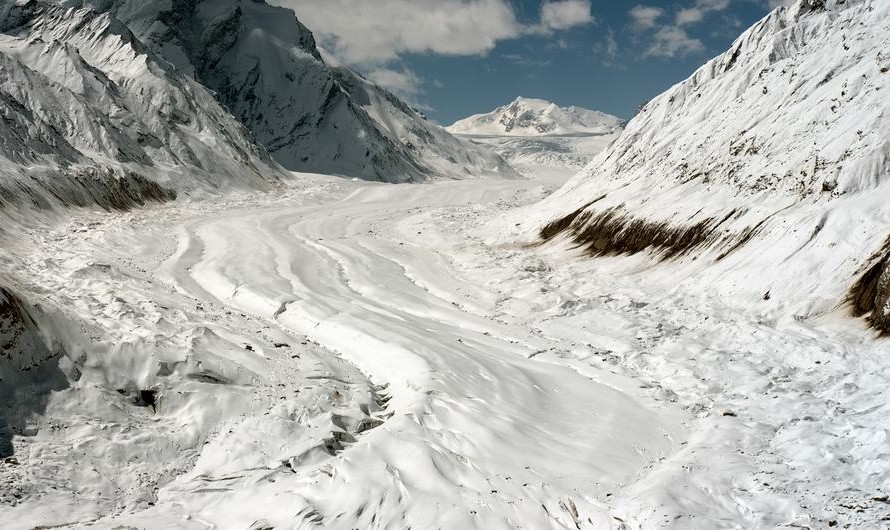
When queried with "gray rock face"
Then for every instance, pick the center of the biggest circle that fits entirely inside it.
(881, 311)
(91, 115)
(264, 67)
(29, 369)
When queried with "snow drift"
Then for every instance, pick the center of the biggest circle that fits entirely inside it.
(771, 163)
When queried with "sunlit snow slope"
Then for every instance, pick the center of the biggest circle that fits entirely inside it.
(534, 135)
(769, 166)
(531, 117)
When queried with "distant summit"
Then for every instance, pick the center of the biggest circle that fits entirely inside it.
(535, 135)
(538, 117)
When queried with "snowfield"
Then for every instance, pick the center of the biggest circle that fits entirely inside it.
(537, 136)
(687, 334)
(346, 354)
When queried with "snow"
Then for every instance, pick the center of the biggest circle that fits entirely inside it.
(781, 137)
(264, 67)
(314, 351)
(532, 117)
(349, 354)
(471, 431)
(537, 136)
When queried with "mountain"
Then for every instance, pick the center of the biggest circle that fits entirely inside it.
(90, 115)
(534, 135)
(536, 117)
(264, 67)
(766, 171)
(117, 103)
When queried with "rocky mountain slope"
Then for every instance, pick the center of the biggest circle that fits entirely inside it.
(263, 65)
(90, 115)
(185, 97)
(767, 170)
(535, 135)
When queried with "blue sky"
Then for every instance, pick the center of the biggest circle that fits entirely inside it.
(453, 58)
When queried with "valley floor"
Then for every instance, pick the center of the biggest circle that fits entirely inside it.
(352, 355)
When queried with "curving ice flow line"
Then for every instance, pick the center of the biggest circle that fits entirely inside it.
(480, 433)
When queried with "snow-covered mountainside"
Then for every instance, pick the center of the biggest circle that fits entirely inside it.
(90, 115)
(534, 117)
(263, 65)
(768, 168)
(537, 135)
(342, 354)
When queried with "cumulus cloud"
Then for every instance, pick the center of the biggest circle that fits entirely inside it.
(371, 35)
(404, 83)
(698, 11)
(673, 41)
(361, 32)
(565, 14)
(669, 37)
(645, 17)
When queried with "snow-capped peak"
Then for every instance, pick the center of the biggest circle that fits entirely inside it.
(537, 117)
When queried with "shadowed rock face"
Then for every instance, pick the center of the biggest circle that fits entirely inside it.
(263, 66)
(870, 295)
(90, 115)
(86, 187)
(278, 87)
(29, 370)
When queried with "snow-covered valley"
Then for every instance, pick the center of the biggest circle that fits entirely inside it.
(357, 355)
(689, 332)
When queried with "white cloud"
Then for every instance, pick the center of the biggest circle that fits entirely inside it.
(565, 14)
(606, 51)
(671, 41)
(526, 61)
(365, 32)
(404, 83)
(699, 11)
(645, 17)
(371, 35)
(690, 16)
(374, 32)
